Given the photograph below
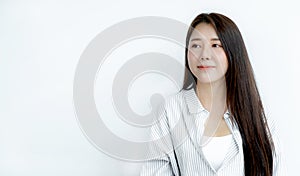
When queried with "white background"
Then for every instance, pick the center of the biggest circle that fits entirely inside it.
(41, 43)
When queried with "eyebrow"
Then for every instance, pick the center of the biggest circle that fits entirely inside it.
(213, 39)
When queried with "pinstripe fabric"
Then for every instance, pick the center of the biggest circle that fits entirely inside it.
(182, 116)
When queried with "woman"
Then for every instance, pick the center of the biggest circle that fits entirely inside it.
(231, 134)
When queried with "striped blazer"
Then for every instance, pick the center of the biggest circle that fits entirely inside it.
(177, 150)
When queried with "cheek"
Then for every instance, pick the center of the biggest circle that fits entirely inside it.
(191, 57)
(222, 61)
(191, 65)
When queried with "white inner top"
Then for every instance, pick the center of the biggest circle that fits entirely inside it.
(216, 149)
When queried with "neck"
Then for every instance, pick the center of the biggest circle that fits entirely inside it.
(212, 95)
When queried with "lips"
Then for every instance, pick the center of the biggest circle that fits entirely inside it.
(205, 66)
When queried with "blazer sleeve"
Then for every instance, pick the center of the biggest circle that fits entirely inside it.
(279, 168)
(159, 148)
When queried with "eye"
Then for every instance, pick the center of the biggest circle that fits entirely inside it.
(216, 45)
(195, 46)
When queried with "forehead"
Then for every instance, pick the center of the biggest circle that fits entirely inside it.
(204, 30)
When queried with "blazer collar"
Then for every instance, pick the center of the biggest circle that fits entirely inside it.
(194, 104)
(192, 101)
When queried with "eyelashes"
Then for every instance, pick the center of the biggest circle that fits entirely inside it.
(216, 45)
(195, 46)
(199, 46)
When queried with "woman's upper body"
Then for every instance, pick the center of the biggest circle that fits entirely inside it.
(181, 111)
(219, 98)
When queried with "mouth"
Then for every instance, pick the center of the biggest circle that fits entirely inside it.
(205, 67)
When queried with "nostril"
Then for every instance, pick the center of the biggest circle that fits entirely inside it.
(204, 58)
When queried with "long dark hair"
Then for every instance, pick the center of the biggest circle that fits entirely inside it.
(243, 99)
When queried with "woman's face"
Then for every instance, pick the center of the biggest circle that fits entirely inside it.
(206, 57)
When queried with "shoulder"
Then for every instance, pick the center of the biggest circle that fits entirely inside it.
(174, 100)
(271, 125)
(279, 167)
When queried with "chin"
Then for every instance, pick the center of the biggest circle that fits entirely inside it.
(204, 81)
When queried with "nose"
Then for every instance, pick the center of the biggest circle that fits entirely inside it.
(205, 54)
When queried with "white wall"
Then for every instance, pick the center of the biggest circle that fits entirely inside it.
(41, 42)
